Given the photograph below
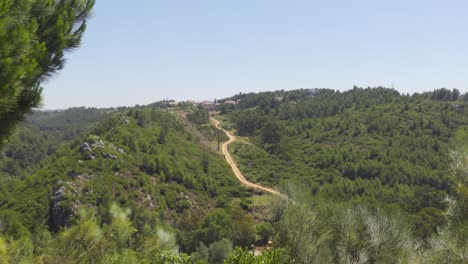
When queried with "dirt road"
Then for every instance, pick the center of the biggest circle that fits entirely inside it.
(235, 169)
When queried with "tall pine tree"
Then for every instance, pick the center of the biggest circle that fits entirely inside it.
(34, 35)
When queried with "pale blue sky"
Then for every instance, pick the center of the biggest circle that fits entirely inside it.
(138, 52)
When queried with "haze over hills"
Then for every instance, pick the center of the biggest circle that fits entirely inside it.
(353, 162)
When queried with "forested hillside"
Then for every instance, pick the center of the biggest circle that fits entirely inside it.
(372, 176)
(363, 146)
(144, 160)
(308, 176)
(41, 134)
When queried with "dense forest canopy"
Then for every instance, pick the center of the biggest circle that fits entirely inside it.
(368, 146)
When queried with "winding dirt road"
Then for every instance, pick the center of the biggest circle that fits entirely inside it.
(235, 169)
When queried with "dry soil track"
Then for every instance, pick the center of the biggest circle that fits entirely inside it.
(235, 169)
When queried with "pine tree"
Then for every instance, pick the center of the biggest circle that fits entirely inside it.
(34, 35)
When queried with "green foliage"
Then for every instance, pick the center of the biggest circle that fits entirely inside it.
(199, 116)
(448, 247)
(163, 184)
(248, 122)
(170, 257)
(458, 210)
(368, 146)
(156, 241)
(34, 36)
(442, 94)
(201, 255)
(121, 229)
(271, 133)
(243, 256)
(90, 241)
(219, 251)
(244, 232)
(314, 231)
(3, 251)
(211, 133)
(215, 226)
(72, 121)
(87, 236)
(265, 231)
(372, 166)
(41, 135)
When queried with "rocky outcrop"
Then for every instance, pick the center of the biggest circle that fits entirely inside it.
(108, 156)
(87, 151)
(99, 144)
(64, 201)
(86, 147)
(90, 150)
(60, 211)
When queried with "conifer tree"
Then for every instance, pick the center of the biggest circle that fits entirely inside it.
(34, 35)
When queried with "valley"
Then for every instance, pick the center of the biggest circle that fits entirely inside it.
(375, 176)
(233, 132)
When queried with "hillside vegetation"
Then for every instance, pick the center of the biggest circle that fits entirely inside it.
(41, 135)
(364, 146)
(372, 176)
(141, 159)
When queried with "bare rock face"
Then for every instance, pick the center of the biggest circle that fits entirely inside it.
(60, 211)
(87, 151)
(86, 147)
(90, 151)
(99, 144)
(108, 156)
